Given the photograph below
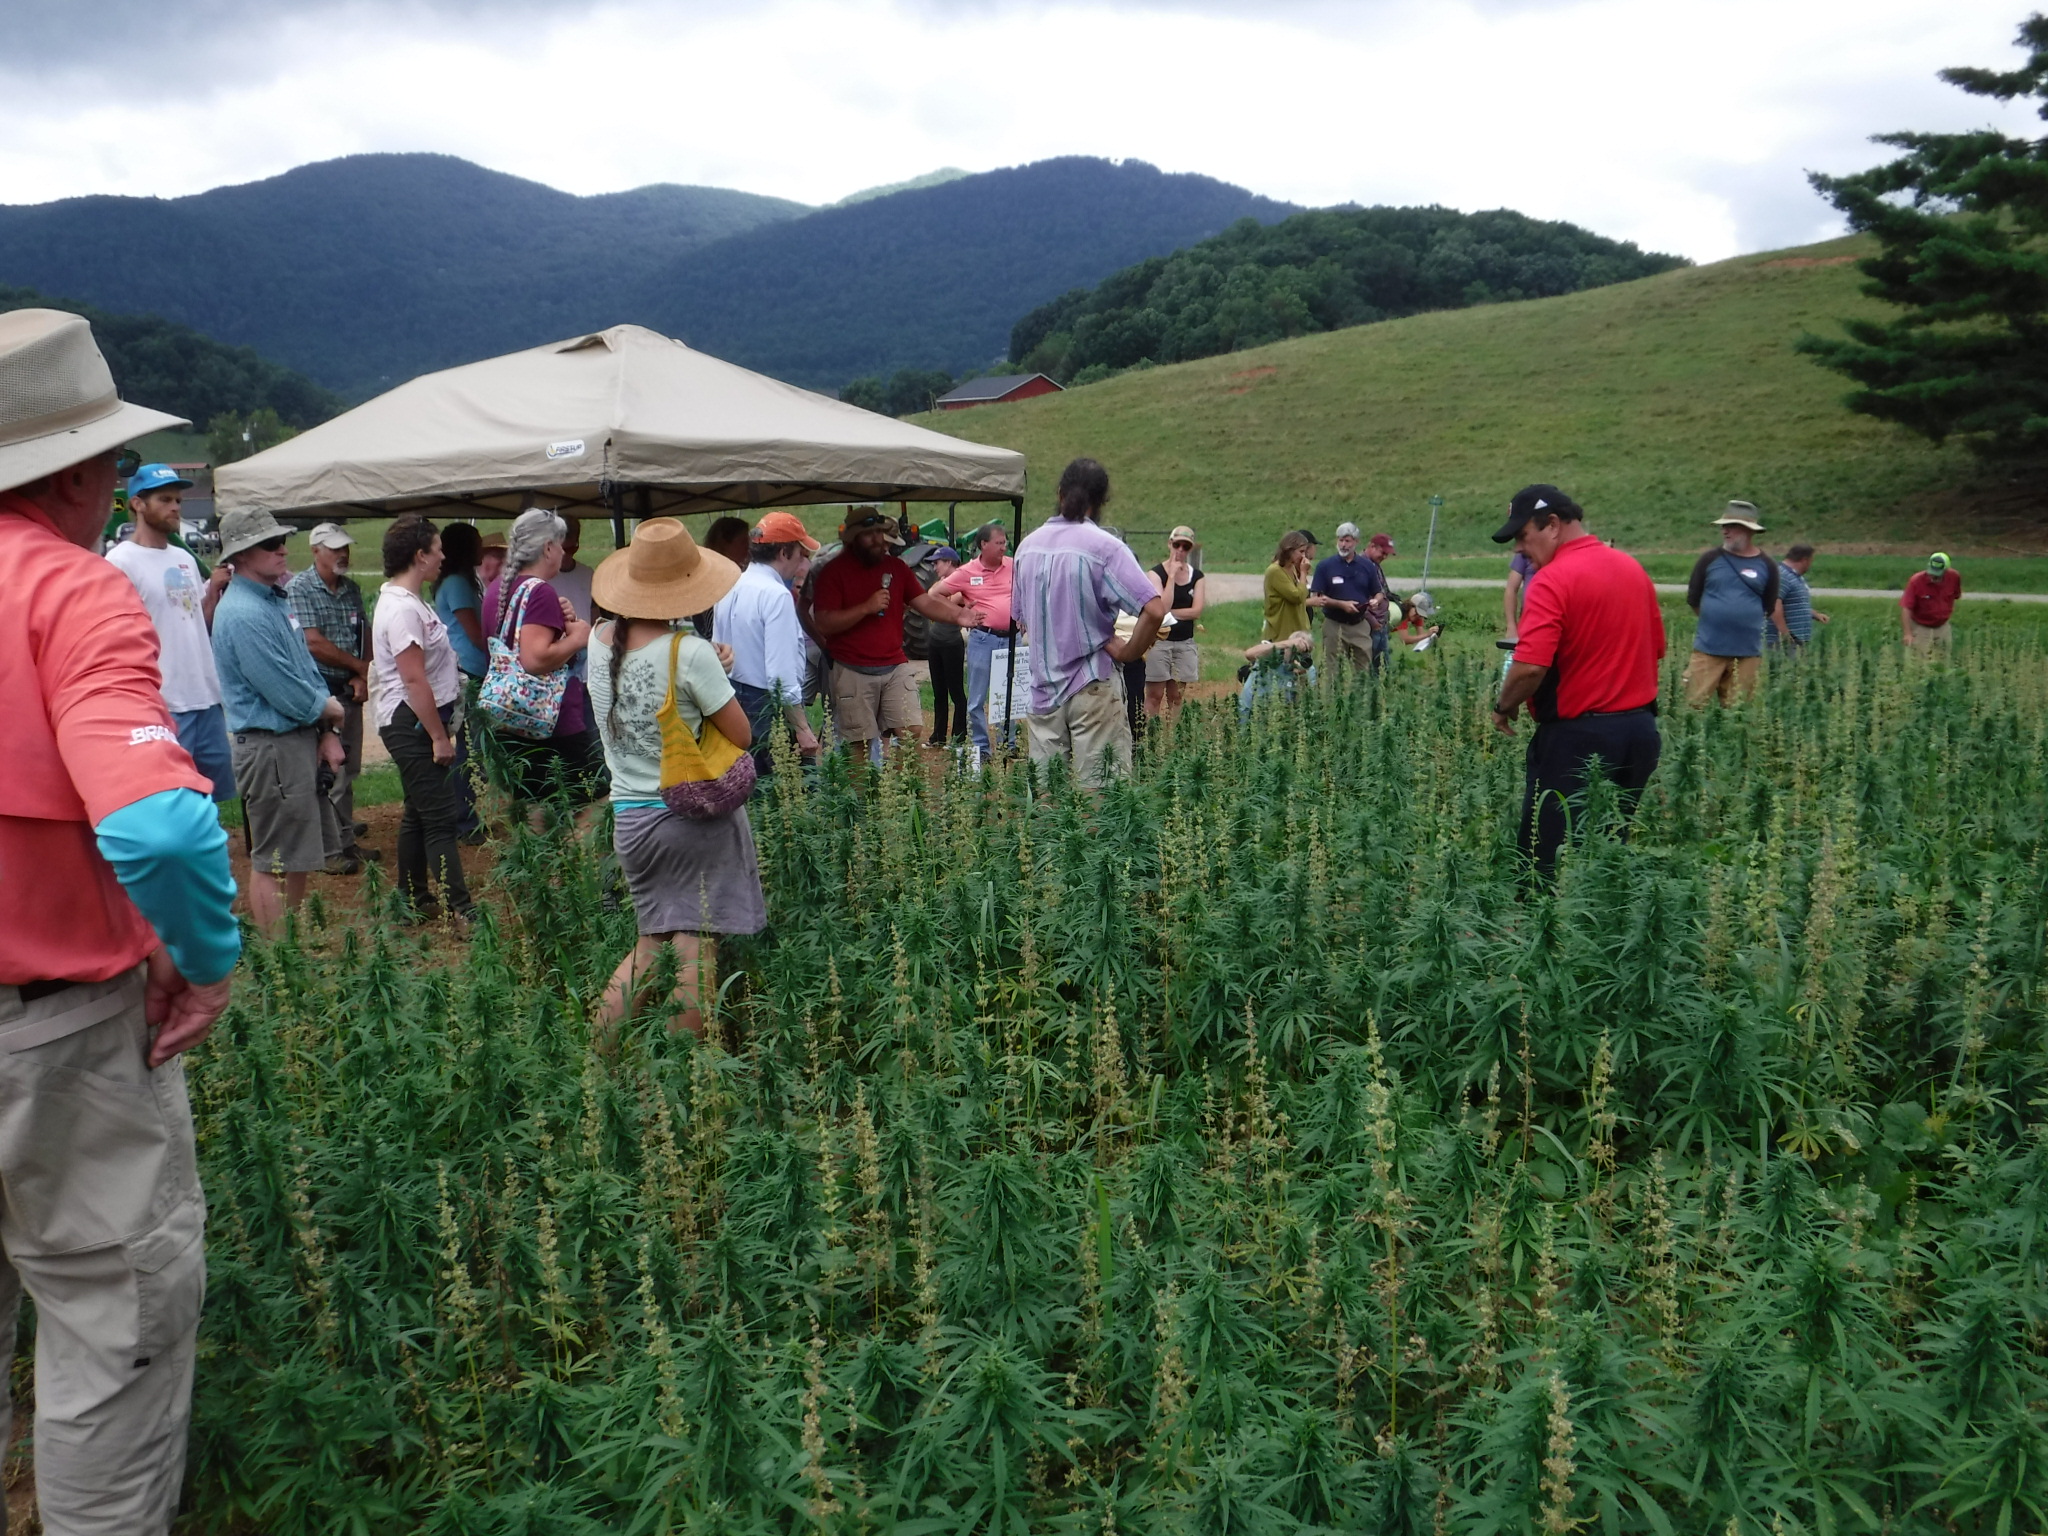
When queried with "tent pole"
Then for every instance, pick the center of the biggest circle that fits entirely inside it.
(1010, 653)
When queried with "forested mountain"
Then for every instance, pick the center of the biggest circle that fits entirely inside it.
(172, 367)
(1318, 271)
(367, 270)
(932, 278)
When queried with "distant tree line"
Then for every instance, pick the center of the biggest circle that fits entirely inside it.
(1317, 271)
(905, 393)
(171, 367)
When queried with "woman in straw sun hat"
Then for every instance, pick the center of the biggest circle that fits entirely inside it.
(691, 880)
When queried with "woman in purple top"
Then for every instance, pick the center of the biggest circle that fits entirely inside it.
(551, 636)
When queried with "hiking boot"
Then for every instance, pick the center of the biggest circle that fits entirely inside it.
(344, 864)
(361, 829)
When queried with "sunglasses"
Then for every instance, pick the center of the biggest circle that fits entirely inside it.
(271, 546)
(1181, 544)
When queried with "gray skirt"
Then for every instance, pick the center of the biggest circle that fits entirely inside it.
(690, 876)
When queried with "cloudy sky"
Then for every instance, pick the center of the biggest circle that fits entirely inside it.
(1686, 125)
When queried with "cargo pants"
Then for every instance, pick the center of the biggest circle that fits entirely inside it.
(101, 1222)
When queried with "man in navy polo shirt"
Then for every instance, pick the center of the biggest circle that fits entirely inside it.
(1585, 665)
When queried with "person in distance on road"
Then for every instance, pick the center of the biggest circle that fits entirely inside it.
(116, 944)
(180, 604)
(283, 718)
(1734, 590)
(1175, 663)
(1585, 666)
(1793, 619)
(757, 620)
(1927, 603)
(1348, 582)
(1073, 579)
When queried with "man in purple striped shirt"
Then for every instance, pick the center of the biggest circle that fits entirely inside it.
(1071, 581)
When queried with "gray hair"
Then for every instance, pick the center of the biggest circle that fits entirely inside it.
(532, 532)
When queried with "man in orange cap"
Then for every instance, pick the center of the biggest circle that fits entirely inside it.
(757, 618)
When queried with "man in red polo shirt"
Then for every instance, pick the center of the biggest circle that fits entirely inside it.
(1585, 664)
(1928, 602)
(115, 946)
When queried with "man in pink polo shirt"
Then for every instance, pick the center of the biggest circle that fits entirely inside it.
(115, 946)
(984, 584)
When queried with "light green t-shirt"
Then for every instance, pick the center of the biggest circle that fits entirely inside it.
(632, 739)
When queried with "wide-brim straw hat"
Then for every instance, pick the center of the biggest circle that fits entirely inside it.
(58, 405)
(662, 574)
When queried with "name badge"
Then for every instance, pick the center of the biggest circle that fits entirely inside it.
(974, 581)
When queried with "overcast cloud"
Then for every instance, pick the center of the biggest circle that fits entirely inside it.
(1683, 126)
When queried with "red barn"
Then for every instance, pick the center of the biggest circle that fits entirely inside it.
(1001, 388)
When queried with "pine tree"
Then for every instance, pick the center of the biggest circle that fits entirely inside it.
(1963, 220)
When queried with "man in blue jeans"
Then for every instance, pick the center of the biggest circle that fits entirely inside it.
(984, 584)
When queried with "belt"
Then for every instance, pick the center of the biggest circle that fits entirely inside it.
(257, 730)
(1612, 714)
(71, 1017)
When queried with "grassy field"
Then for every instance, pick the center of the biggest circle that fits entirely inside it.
(1652, 401)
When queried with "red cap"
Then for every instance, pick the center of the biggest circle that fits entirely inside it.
(784, 528)
(1382, 541)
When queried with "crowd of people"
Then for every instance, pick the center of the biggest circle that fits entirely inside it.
(143, 690)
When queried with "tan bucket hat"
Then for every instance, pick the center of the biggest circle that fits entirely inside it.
(662, 574)
(58, 406)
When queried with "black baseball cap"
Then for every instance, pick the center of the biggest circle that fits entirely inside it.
(1530, 500)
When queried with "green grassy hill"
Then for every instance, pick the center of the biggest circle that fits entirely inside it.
(1652, 402)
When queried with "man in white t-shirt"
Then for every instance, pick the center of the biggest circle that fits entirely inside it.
(180, 602)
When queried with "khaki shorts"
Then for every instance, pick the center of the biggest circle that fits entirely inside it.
(103, 1225)
(1728, 678)
(1092, 730)
(278, 775)
(870, 704)
(1173, 661)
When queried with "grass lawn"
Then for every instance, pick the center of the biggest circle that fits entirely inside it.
(1653, 402)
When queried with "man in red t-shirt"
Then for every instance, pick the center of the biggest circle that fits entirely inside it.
(1585, 664)
(857, 603)
(1927, 603)
(116, 943)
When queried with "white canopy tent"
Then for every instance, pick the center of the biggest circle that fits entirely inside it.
(623, 423)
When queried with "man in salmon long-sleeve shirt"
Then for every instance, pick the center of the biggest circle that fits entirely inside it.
(115, 947)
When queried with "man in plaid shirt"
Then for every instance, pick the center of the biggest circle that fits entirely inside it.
(329, 607)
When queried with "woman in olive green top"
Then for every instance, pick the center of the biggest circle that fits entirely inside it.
(1288, 598)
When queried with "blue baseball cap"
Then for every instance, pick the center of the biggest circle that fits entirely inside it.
(946, 552)
(156, 477)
